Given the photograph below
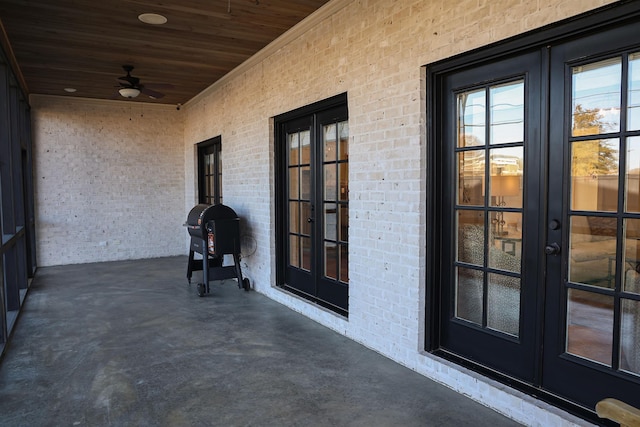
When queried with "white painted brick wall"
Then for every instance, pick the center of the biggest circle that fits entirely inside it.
(373, 50)
(109, 180)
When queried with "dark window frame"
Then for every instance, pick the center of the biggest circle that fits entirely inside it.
(212, 149)
(17, 224)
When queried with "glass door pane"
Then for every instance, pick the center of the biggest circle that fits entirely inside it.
(602, 321)
(335, 203)
(299, 192)
(489, 205)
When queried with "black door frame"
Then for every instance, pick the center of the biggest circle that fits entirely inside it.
(299, 117)
(210, 146)
(583, 25)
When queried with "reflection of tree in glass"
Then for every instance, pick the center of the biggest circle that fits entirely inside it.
(596, 157)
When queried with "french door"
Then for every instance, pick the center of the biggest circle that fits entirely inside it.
(314, 210)
(540, 213)
(593, 289)
(493, 144)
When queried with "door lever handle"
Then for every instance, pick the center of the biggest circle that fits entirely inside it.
(552, 249)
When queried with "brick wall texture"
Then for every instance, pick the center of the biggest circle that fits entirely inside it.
(109, 180)
(98, 172)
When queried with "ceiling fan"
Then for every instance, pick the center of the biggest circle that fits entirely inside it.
(130, 86)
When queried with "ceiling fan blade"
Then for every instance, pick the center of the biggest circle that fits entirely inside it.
(159, 86)
(130, 80)
(151, 93)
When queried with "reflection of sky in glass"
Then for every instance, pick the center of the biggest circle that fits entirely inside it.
(305, 138)
(597, 87)
(343, 130)
(330, 132)
(633, 122)
(471, 116)
(507, 113)
(293, 141)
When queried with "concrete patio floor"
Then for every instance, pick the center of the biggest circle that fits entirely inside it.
(131, 344)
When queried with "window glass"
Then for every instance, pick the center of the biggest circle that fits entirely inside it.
(336, 197)
(505, 179)
(489, 173)
(330, 143)
(294, 217)
(471, 118)
(294, 181)
(471, 179)
(592, 250)
(590, 326)
(503, 304)
(596, 97)
(471, 237)
(632, 185)
(469, 295)
(294, 149)
(633, 101)
(594, 175)
(330, 181)
(343, 132)
(631, 262)
(507, 112)
(630, 336)
(331, 260)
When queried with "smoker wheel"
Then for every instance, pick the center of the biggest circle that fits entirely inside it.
(245, 284)
(201, 289)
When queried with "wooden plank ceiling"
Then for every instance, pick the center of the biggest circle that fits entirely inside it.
(83, 44)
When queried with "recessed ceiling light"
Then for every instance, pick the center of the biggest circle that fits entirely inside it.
(69, 89)
(152, 18)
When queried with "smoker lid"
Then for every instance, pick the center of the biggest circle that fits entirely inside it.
(218, 211)
(195, 213)
(201, 213)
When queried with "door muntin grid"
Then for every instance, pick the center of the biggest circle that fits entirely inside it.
(489, 205)
(603, 286)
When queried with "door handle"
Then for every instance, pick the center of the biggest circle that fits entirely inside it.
(552, 249)
(309, 220)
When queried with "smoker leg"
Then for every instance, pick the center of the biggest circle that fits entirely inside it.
(205, 268)
(242, 283)
(190, 267)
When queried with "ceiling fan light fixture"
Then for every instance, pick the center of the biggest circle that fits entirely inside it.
(152, 18)
(129, 92)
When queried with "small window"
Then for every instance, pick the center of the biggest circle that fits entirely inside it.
(210, 171)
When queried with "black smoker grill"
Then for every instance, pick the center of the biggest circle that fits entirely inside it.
(215, 232)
